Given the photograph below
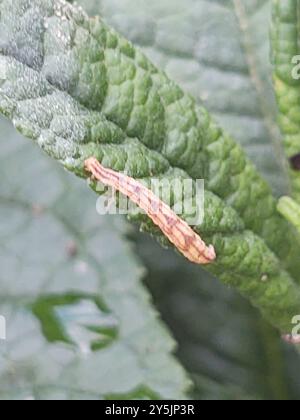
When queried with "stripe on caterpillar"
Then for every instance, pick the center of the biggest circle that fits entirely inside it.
(179, 233)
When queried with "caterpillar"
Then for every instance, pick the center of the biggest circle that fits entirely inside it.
(179, 233)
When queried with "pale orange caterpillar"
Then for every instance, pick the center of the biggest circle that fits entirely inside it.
(174, 228)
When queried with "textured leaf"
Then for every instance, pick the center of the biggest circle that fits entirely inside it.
(228, 350)
(220, 337)
(285, 39)
(64, 293)
(221, 57)
(290, 210)
(79, 89)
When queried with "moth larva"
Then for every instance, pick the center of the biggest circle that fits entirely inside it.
(175, 229)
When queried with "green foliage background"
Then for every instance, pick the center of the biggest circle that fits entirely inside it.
(62, 304)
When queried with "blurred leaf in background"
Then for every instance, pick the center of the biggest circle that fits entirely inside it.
(79, 322)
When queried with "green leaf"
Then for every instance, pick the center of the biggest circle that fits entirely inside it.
(230, 352)
(226, 343)
(285, 45)
(79, 89)
(221, 57)
(290, 210)
(79, 322)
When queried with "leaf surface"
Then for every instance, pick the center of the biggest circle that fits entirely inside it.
(80, 89)
(80, 324)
